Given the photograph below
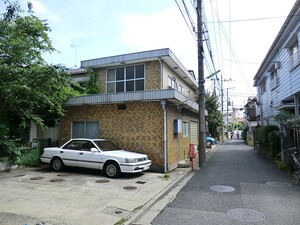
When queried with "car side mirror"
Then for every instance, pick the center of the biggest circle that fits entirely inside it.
(94, 150)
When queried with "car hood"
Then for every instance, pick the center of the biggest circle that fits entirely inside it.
(124, 154)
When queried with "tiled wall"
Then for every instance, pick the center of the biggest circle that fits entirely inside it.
(138, 128)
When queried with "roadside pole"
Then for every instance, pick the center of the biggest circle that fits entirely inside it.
(201, 91)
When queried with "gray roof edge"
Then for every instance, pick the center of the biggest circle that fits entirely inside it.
(293, 16)
(125, 57)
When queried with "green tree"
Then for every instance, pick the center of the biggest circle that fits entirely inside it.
(214, 117)
(30, 89)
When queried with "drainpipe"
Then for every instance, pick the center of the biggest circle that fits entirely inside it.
(161, 72)
(163, 104)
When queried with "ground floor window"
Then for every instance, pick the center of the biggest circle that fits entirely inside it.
(85, 129)
(185, 127)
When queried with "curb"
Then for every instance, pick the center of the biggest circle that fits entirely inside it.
(155, 205)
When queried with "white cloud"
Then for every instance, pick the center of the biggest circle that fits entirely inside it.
(165, 29)
(38, 7)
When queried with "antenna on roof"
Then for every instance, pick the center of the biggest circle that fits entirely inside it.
(75, 47)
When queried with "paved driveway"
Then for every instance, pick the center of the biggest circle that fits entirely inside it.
(76, 196)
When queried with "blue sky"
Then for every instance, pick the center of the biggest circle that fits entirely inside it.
(90, 29)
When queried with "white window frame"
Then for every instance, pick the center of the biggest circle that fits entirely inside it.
(185, 129)
(114, 81)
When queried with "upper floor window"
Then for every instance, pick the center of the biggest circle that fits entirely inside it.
(172, 82)
(294, 53)
(263, 87)
(125, 79)
(273, 75)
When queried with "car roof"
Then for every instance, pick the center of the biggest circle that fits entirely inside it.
(89, 139)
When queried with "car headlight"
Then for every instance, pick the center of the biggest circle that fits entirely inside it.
(131, 160)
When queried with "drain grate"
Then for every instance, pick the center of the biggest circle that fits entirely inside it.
(246, 215)
(36, 178)
(279, 184)
(117, 212)
(129, 188)
(102, 181)
(222, 188)
(57, 180)
(140, 182)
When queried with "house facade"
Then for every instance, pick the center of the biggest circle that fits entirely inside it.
(148, 105)
(278, 77)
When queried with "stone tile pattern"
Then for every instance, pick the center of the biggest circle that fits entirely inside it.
(138, 128)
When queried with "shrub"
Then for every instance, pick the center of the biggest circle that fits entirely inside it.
(30, 158)
(262, 135)
(274, 142)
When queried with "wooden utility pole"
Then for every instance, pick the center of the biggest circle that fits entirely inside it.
(201, 91)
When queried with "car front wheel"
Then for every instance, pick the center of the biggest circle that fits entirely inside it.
(57, 164)
(112, 170)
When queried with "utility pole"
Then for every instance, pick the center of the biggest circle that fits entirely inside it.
(201, 92)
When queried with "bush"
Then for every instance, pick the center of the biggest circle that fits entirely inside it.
(244, 134)
(30, 158)
(274, 142)
(262, 135)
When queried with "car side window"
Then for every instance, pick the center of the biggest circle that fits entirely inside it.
(73, 145)
(87, 145)
(80, 145)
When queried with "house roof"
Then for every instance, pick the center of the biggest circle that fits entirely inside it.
(164, 54)
(283, 34)
(77, 71)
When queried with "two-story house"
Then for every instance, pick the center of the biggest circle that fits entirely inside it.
(278, 77)
(148, 105)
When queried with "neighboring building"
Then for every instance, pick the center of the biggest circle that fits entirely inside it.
(278, 78)
(250, 119)
(148, 106)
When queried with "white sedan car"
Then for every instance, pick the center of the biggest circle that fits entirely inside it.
(95, 154)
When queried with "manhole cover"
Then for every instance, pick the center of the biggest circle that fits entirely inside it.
(63, 174)
(140, 182)
(36, 178)
(20, 175)
(102, 181)
(246, 215)
(278, 184)
(222, 188)
(129, 188)
(57, 180)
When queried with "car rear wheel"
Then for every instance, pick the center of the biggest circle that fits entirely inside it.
(57, 164)
(112, 170)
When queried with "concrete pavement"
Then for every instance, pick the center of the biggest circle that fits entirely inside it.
(237, 186)
(79, 196)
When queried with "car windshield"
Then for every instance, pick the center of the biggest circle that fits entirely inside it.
(106, 145)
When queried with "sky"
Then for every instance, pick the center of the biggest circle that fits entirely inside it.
(240, 32)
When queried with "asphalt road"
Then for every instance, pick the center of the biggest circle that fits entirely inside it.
(237, 186)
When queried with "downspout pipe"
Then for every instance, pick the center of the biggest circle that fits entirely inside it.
(163, 104)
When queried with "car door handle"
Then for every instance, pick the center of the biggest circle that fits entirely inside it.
(61, 151)
(81, 153)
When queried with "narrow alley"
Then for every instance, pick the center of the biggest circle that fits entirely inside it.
(237, 186)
